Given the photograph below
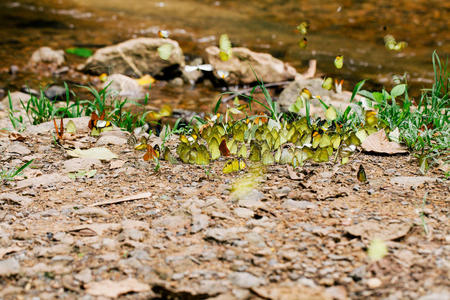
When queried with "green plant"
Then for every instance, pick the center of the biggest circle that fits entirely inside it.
(8, 175)
(424, 128)
(17, 122)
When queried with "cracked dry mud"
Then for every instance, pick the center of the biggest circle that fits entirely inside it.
(184, 237)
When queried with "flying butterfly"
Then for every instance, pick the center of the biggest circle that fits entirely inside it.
(164, 51)
(225, 47)
(303, 43)
(164, 34)
(339, 61)
(234, 165)
(361, 174)
(303, 27)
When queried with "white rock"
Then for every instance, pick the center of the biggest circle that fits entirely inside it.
(47, 55)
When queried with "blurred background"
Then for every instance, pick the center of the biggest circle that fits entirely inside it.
(351, 28)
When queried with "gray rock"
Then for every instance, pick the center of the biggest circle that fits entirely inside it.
(436, 296)
(84, 275)
(251, 199)
(411, 181)
(56, 92)
(9, 266)
(21, 200)
(255, 239)
(139, 55)
(44, 180)
(110, 140)
(92, 212)
(224, 234)
(124, 86)
(78, 163)
(245, 280)
(243, 212)
(292, 204)
(199, 222)
(18, 148)
(133, 234)
(171, 222)
(240, 64)
(47, 55)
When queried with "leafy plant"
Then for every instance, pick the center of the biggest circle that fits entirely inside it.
(8, 175)
(425, 129)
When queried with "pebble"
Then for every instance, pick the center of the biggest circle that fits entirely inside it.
(199, 222)
(242, 212)
(9, 266)
(245, 280)
(92, 212)
(84, 275)
(56, 92)
(374, 283)
(292, 204)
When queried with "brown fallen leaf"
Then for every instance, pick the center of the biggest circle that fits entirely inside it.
(378, 142)
(114, 289)
(372, 229)
(124, 199)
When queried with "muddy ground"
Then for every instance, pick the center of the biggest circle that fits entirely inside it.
(184, 234)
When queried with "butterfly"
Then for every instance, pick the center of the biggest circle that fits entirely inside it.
(303, 43)
(338, 85)
(223, 74)
(234, 165)
(164, 34)
(152, 153)
(98, 124)
(339, 61)
(60, 131)
(362, 174)
(303, 28)
(164, 51)
(223, 148)
(327, 83)
(225, 47)
(204, 67)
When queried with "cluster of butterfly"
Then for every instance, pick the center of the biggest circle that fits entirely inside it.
(270, 142)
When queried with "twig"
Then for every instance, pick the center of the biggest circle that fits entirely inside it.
(124, 199)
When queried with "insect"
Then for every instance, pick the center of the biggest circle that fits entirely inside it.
(224, 149)
(164, 34)
(303, 28)
(362, 174)
(164, 51)
(204, 67)
(152, 153)
(60, 131)
(339, 61)
(98, 124)
(225, 47)
(303, 43)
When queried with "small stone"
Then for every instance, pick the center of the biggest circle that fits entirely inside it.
(9, 266)
(92, 212)
(245, 280)
(84, 275)
(242, 212)
(292, 204)
(55, 92)
(374, 283)
(199, 222)
(251, 199)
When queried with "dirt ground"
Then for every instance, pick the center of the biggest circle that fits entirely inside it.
(184, 234)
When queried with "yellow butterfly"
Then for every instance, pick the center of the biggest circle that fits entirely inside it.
(225, 47)
(339, 61)
(234, 165)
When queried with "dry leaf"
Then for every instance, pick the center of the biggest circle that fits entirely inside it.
(114, 289)
(372, 229)
(96, 152)
(379, 143)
